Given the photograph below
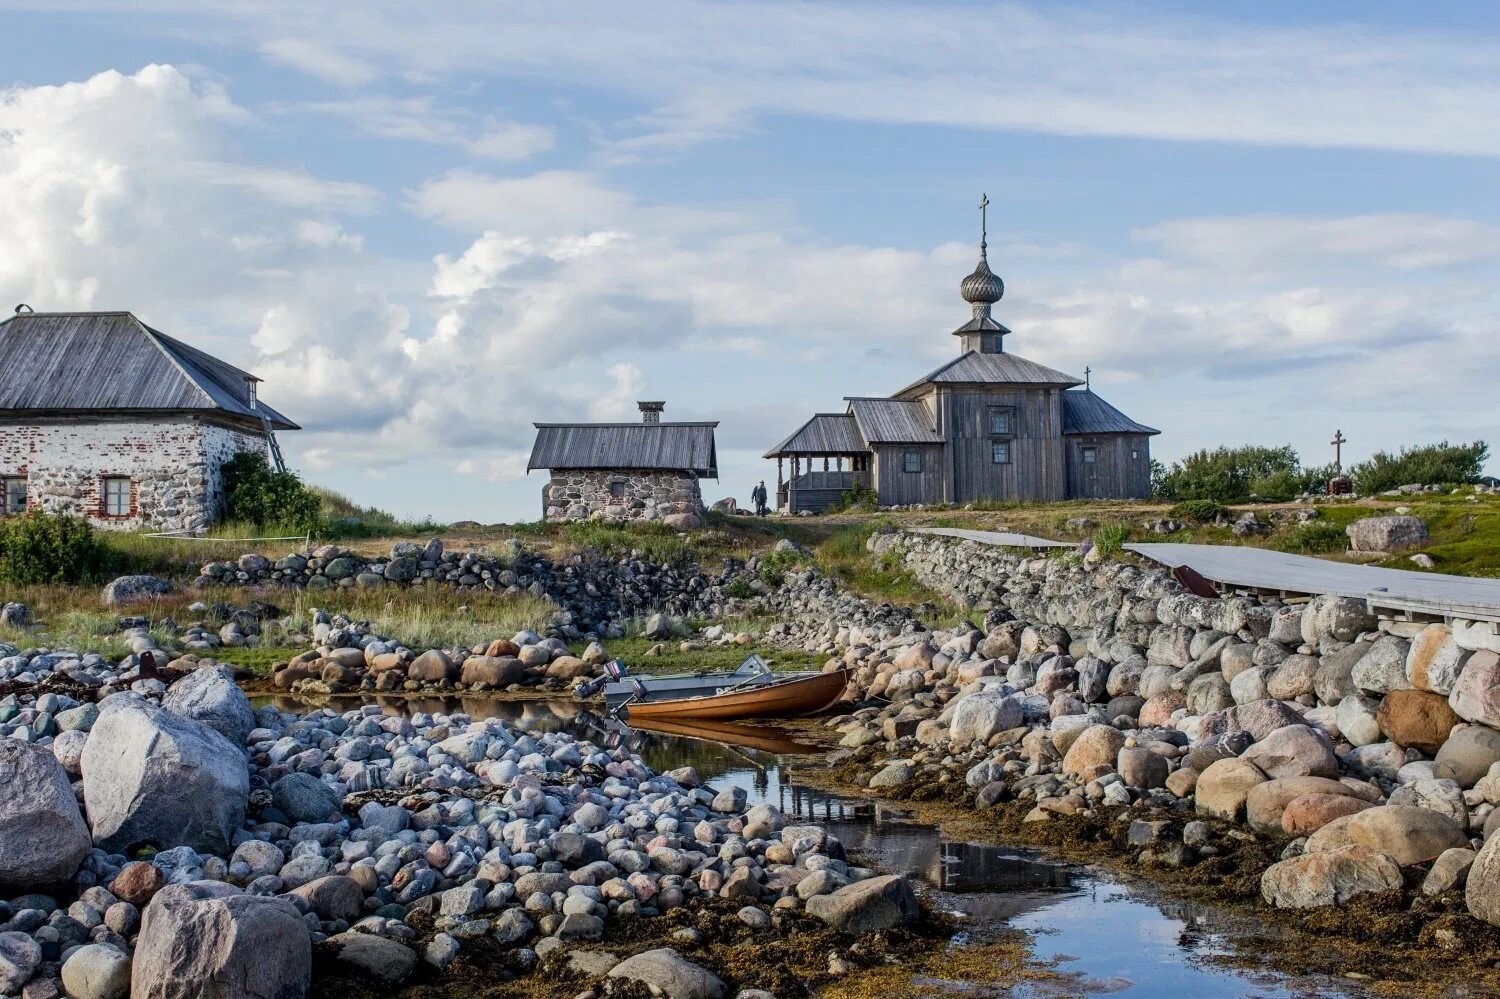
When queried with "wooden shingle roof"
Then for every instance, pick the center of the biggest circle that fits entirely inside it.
(824, 434)
(974, 368)
(99, 362)
(894, 421)
(1086, 413)
(687, 447)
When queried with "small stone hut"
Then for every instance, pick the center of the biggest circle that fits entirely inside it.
(104, 417)
(626, 471)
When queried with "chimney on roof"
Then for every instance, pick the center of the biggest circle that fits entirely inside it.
(651, 411)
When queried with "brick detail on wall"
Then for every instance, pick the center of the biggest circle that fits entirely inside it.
(173, 465)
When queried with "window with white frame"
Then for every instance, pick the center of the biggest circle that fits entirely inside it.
(1090, 455)
(1000, 452)
(116, 496)
(911, 461)
(12, 495)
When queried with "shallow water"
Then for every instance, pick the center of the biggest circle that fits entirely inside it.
(1104, 937)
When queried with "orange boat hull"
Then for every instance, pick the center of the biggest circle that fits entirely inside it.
(786, 699)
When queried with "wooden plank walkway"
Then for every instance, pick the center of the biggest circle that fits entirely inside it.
(1398, 590)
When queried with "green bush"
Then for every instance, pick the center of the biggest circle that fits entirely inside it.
(1432, 464)
(1227, 474)
(778, 562)
(856, 497)
(341, 517)
(1315, 538)
(1198, 511)
(254, 493)
(739, 588)
(51, 548)
(1109, 539)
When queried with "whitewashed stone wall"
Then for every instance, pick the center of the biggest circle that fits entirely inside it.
(173, 465)
(671, 497)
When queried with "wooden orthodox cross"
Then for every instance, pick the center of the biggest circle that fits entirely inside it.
(1338, 442)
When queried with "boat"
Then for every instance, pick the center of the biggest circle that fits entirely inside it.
(776, 698)
(620, 687)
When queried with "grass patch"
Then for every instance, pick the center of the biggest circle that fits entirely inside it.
(844, 557)
(345, 518)
(1110, 539)
(257, 659)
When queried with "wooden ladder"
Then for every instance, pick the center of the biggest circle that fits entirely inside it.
(276, 458)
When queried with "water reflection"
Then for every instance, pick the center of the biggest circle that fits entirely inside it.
(1105, 938)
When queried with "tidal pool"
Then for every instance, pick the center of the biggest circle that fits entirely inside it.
(1101, 935)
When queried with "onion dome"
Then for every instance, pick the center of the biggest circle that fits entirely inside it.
(983, 287)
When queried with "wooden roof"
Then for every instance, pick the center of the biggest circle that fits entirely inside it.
(65, 363)
(1086, 413)
(974, 368)
(894, 421)
(684, 447)
(824, 434)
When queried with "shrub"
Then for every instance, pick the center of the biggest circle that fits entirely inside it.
(50, 548)
(254, 493)
(739, 588)
(857, 497)
(1110, 539)
(1427, 465)
(1199, 511)
(1226, 474)
(778, 562)
(343, 518)
(1314, 538)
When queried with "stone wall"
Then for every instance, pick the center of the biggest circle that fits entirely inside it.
(172, 464)
(670, 497)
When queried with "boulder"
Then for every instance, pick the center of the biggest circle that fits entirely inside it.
(1435, 660)
(432, 666)
(1468, 754)
(1142, 768)
(152, 776)
(1476, 693)
(978, 718)
(1259, 718)
(43, 838)
(1306, 815)
(210, 695)
(666, 974)
(1314, 880)
(1417, 719)
(1383, 667)
(207, 939)
(1222, 787)
(19, 957)
(1386, 534)
(97, 971)
(1482, 891)
(1449, 871)
(302, 797)
(134, 589)
(1340, 619)
(495, 672)
(569, 668)
(377, 958)
(1265, 803)
(1356, 719)
(878, 903)
(1294, 751)
(1408, 834)
(333, 897)
(1098, 745)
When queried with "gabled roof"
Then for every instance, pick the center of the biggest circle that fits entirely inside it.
(894, 421)
(998, 369)
(1086, 413)
(683, 447)
(111, 361)
(824, 434)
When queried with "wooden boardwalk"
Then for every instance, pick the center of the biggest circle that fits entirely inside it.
(1399, 591)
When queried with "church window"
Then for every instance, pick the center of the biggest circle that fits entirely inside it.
(116, 489)
(1090, 455)
(911, 461)
(1000, 452)
(12, 494)
(1002, 419)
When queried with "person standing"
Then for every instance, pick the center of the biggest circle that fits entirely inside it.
(758, 499)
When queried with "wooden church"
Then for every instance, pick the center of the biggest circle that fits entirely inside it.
(988, 425)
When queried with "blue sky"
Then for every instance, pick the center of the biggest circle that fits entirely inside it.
(429, 226)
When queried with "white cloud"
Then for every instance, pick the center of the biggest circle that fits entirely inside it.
(422, 119)
(705, 69)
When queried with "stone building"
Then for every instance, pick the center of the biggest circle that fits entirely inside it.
(626, 471)
(103, 417)
(988, 425)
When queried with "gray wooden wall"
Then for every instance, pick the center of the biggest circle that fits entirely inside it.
(896, 486)
(1037, 469)
(1114, 475)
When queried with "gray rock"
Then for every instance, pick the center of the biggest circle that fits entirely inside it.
(866, 906)
(43, 838)
(1482, 891)
(377, 958)
(1294, 751)
(1386, 534)
(19, 957)
(1355, 718)
(1330, 877)
(97, 971)
(304, 798)
(977, 718)
(205, 938)
(153, 776)
(1468, 754)
(1449, 871)
(1383, 668)
(210, 695)
(131, 589)
(667, 974)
